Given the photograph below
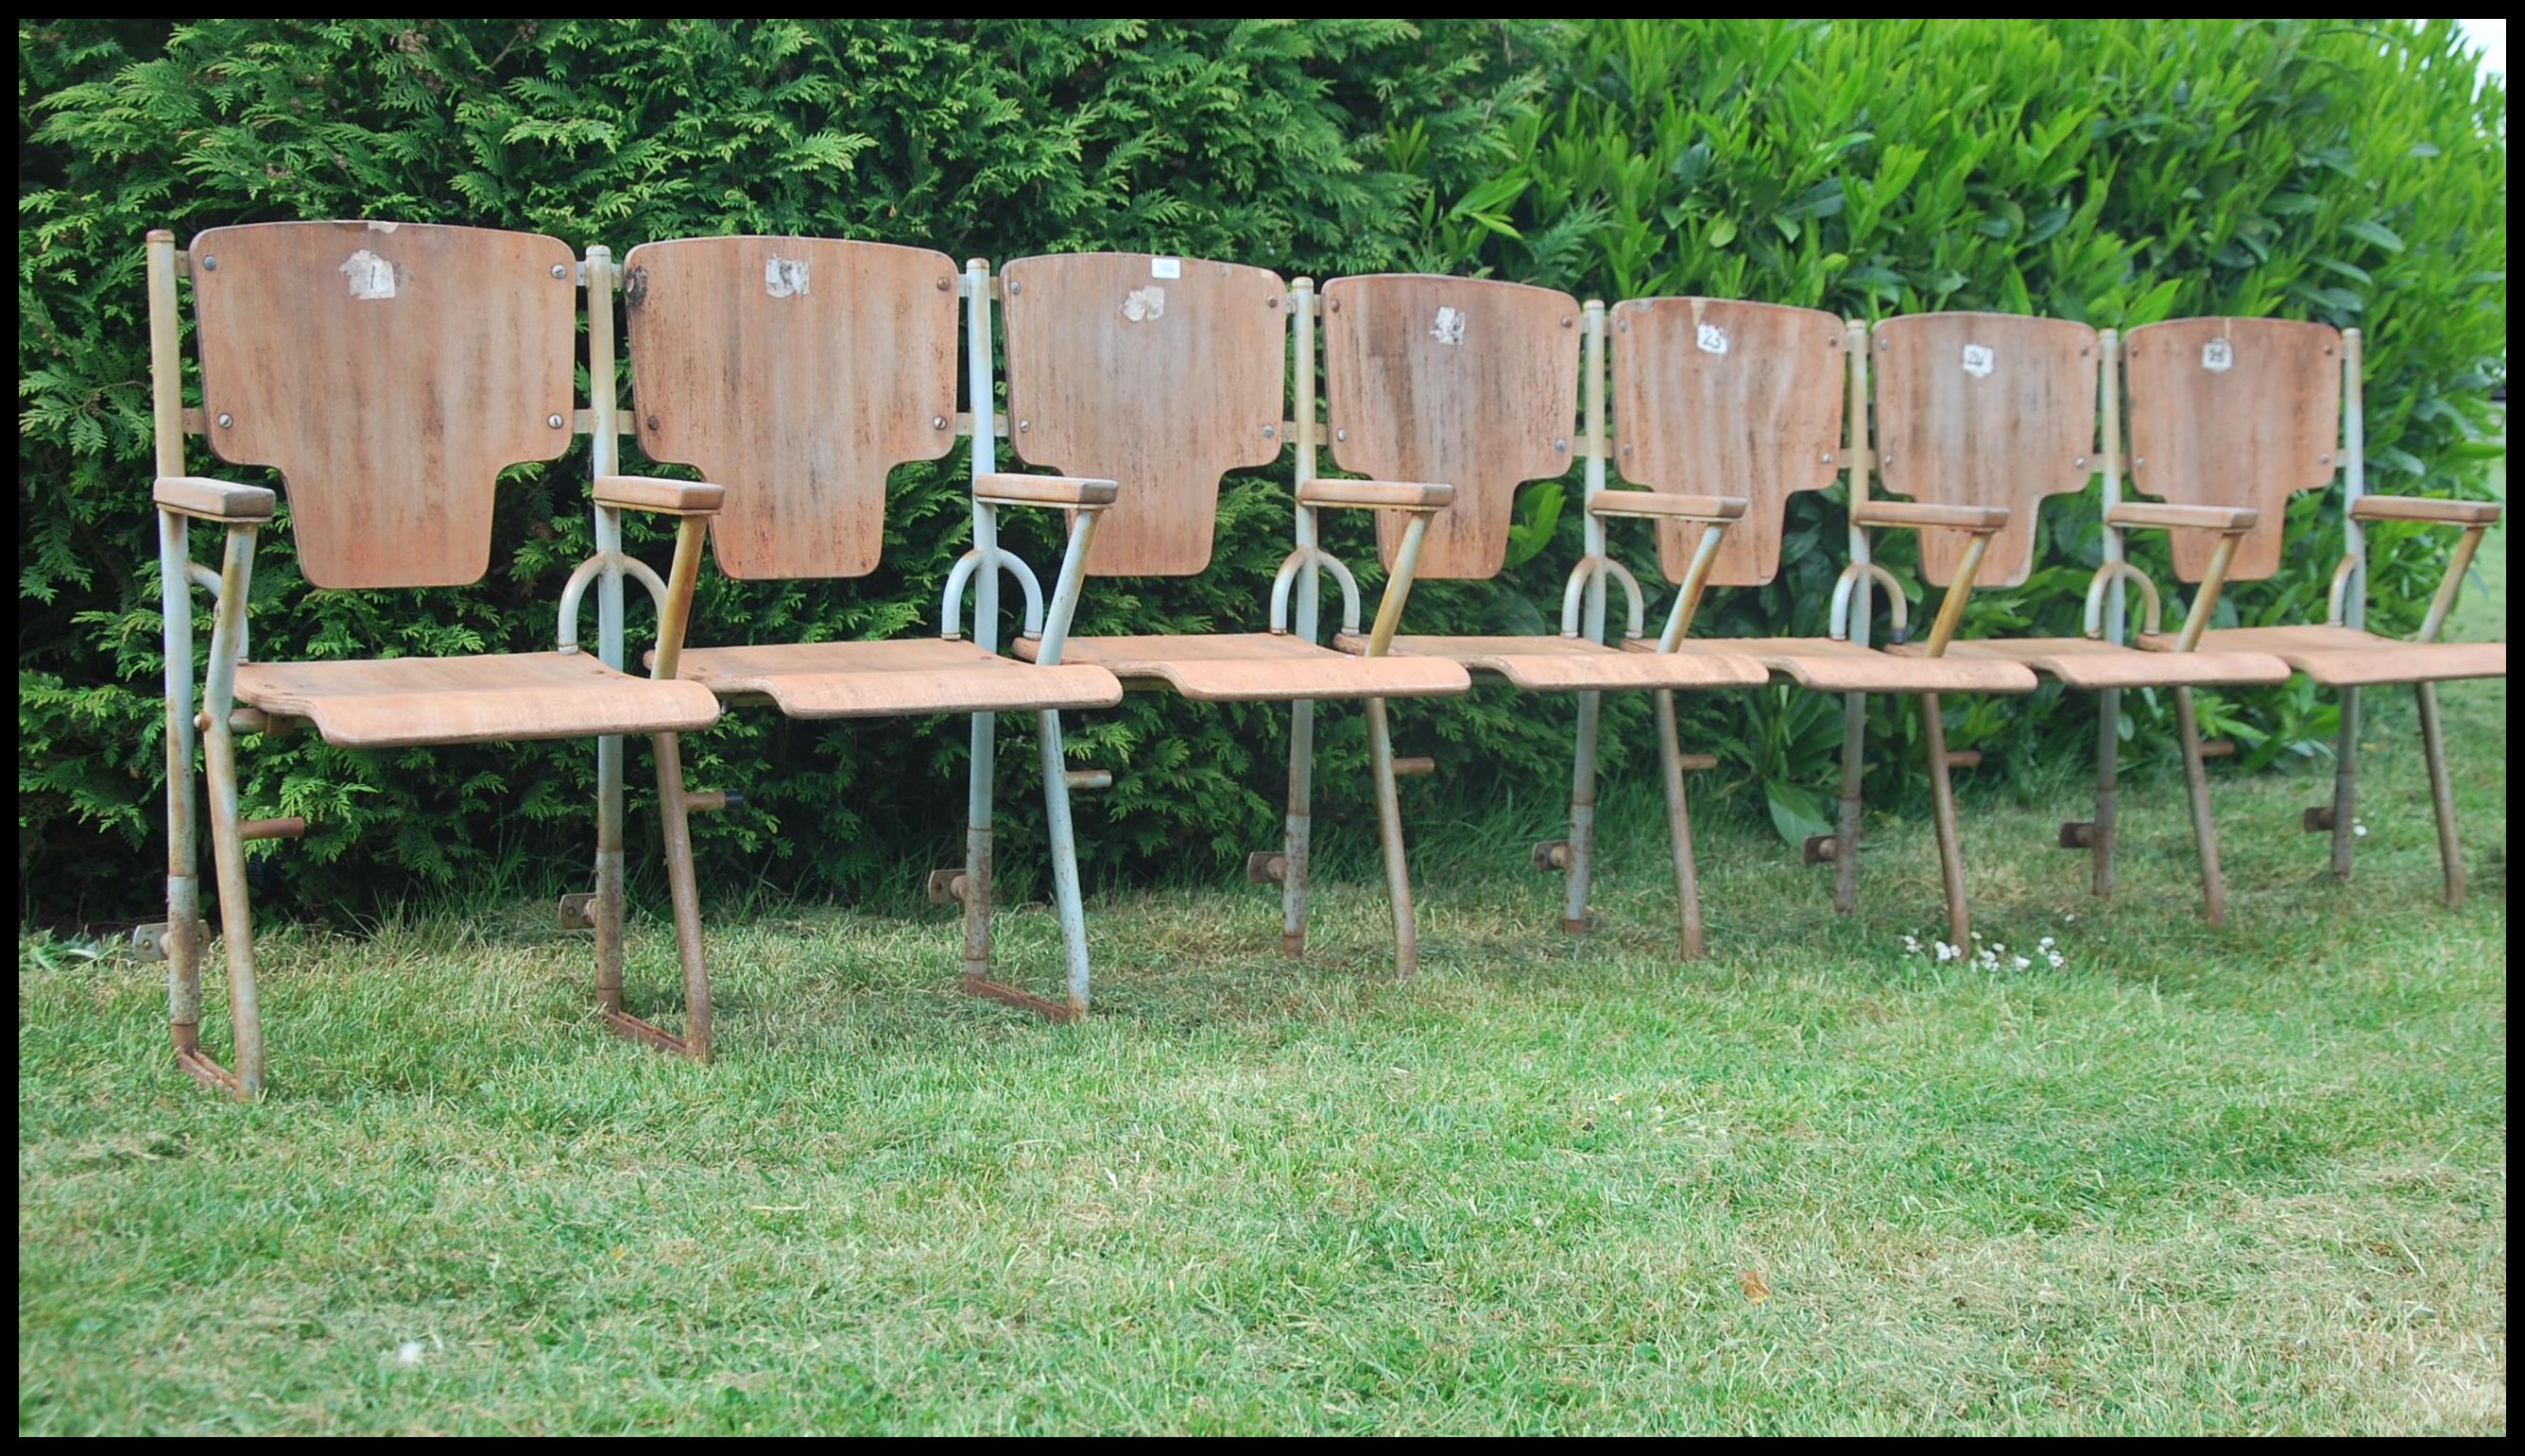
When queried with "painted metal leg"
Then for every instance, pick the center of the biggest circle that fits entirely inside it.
(1582, 816)
(606, 908)
(1942, 798)
(1687, 879)
(2441, 793)
(977, 855)
(236, 923)
(2205, 830)
(1065, 893)
(1854, 772)
(674, 815)
(2108, 751)
(1300, 830)
(2345, 785)
(1389, 828)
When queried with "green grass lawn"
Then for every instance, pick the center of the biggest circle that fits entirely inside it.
(2244, 1180)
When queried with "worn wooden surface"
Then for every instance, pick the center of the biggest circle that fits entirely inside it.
(795, 373)
(1562, 665)
(1262, 667)
(2232, 412)
(1720, 398)
(2086, 662)
(1984, 410)
(1467, 382)
(2426, 507)
(389, 371)
(890, 679)
(404, 701)
(1159, 374)
(2346, 658)
(1829, 666)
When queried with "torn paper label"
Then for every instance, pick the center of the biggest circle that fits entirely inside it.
(1711, 338)
(371, 276)
(1141, 305)
(2218, 356)
(1449, 327)
(1166, 267)
(784, 277)
(1979, 360)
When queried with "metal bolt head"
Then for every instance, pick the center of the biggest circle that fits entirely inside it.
(1627, 450)
(1564, 320)
(2136, 464)
(554, 420)
(212, 266)
(1016, 288)
(2080, 463)
(1827, 456)
(1272, 302)
(1340, 434)
(946, 285)
(1561, 445)
(652, 422)
(226, 419)
(1623, 324)
(1270, 432)
(561, 269)
(938, 422)
(1024, 425)
(2326, 457)
(1884, 343)
(1334, 306)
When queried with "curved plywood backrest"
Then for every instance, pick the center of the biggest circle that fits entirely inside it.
(1984, 410)
(794, 373)
(1468, 382)
(1713, 397)
(389, 371)
(2232, 412)
(1159, 374)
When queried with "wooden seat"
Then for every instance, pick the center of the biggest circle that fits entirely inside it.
(1264, 668)
(1564, 664)
(395, 702)
(1830, 666)
(2087, 662)
(2347, 657)
(889, 679)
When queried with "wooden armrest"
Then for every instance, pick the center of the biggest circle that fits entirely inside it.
(1375, 495)
(1659, 504)
(665, 497)
(1011, 489)
(205, 498)
(2425, 508)
(2232, 520)
(1917, 515)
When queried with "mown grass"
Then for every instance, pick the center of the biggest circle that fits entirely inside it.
(2243, 1180)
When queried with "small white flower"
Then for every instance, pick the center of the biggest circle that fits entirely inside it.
(1976, 935)
(1947, 952)
(2022, 962)
(2043, 944)
(2057, 959)
(2359, 830)
(408, 1354)
(2071, 917)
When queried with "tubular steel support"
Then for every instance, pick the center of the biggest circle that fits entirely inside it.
(1687, 880)
(1859, 576)
(1298, 835)
(2108, 615)
(228, 841)
(2205, 830)
(606, 910)
(2441, 793)
(1587, 621)
(1380, 744)
(2352, 585)
(674, 815)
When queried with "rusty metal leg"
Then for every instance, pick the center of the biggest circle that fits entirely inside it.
(1854, 770)
(2109, 749)
(2441, 793)
(2205, 830)
(674, 816)
(606, 908)
(978, 854)
(1942, 800)
(2345, 785)
(1687, 879)
(1389, 828)
(1582, 817)
(1297, 847)
(236, 921)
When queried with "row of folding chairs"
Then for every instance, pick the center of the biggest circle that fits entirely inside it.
(389, 372)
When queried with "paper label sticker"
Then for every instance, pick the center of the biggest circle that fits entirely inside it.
(1449, 327)
(1979, 360)
(2218, 357)
(371, 276)
(1166, 267)
(1141, 305)
(784, 277)
(1711, 338)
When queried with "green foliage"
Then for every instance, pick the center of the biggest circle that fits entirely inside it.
(2115, 172)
